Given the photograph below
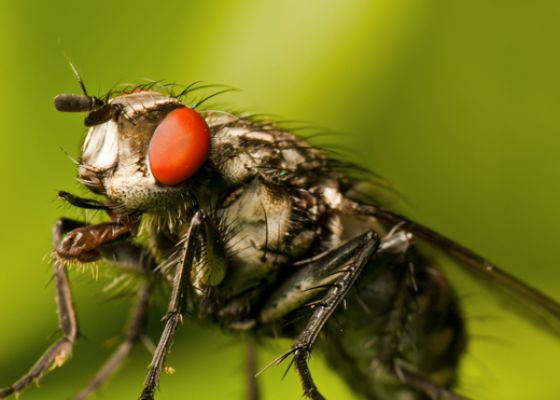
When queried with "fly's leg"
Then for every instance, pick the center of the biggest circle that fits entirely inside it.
(134, 333)
(404, 306)
(329, 270)
(138, 258)
(325, 308)
(175, 308)
(423, 385)
(318, 274)
(388, 345)
(61, 350)
(252, 386)
(388, 349)
(73, 240)
(82, 243)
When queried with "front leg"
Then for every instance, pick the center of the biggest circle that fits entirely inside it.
(82, 243)
(61, 350)
(67, 232)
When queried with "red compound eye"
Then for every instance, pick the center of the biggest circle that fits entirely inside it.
(179, 146)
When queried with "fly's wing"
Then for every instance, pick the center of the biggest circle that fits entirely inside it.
(535, 306)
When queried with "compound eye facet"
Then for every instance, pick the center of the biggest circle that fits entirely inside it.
(179, 146)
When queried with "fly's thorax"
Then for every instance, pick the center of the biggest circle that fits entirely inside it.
(243, 149)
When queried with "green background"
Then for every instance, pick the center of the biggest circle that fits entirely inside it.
(455, 102)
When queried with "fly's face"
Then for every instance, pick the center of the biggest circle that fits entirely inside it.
(141, 147)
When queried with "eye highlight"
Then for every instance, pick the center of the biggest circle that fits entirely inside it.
(179, 146)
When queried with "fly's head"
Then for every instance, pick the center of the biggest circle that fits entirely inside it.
(141, 148)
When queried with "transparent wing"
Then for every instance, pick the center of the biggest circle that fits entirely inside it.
(537, 307)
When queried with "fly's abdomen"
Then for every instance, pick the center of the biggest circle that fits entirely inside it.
(391, 320)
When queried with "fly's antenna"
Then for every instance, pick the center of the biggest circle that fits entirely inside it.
(98, 110)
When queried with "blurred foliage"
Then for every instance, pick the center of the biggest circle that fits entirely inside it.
(454, 102)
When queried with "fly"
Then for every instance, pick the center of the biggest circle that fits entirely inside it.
(252, 228)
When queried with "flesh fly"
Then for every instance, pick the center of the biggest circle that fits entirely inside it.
(252, 228)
